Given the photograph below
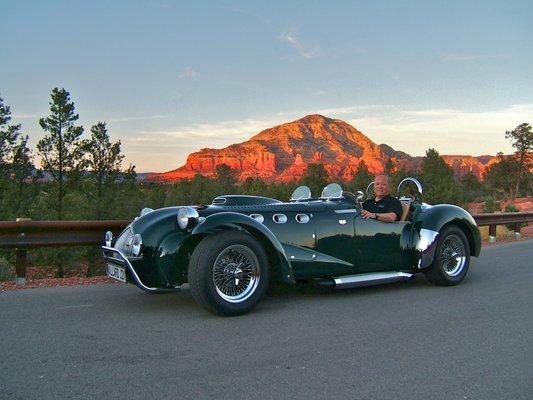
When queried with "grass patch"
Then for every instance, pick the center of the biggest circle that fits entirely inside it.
(7, 271)
(502, 233)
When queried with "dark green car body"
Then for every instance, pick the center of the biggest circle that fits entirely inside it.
(316, 238)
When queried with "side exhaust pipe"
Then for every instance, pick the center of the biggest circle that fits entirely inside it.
(374, 278)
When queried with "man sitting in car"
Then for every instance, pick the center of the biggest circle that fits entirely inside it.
(383, 207)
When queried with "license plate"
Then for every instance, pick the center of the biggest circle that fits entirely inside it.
(114, 271)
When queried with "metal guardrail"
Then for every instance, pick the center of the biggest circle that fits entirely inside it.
(509, 218)
(25, 234)
(503, 218)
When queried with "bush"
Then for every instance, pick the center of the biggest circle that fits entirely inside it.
(512, 208)
(7, 272)
(491, 206)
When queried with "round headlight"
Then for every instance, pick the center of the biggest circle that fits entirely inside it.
(108, 238)
(187, 217)
(136, 245)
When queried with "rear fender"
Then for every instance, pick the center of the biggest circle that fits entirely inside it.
(232, 220)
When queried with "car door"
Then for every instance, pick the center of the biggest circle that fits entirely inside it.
(334, 238)
(381, 246)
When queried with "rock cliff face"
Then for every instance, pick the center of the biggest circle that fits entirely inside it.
(281, 154)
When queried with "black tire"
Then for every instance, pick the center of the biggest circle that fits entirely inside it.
(452, 258)
(215, 258)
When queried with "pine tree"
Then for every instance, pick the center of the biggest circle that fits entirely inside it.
(522, 137)
(15, 167)
(103, 161)
(499, 177)
(226, 178)
(361, 178)
(316, 177)
(9, 134)
(60, 150)
(389, 168)
(61, 155)
(438, 180)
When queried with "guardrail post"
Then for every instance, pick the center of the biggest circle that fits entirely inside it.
(517, 227)
(492, 233)
(20, 267)
(20, 263)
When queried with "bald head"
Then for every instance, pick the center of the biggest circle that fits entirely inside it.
(381, 186)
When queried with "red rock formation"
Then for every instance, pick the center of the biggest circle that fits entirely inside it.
(282, 153)
(463, 165)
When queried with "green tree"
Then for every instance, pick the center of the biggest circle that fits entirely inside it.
(316, 177)
(471, 188)
(490, 206)
(253, 186)
(400, 175)
(226, 178)
(204, 190)
(8, 137)
(281, 191)
(9, 134)
(105, 184)
(438, 180)
(522, 137)
(16, 168)
(104, 162)
(179, 194)
(154, 194)
(23, 180)
(361, 178)
(60, 150)
(499, 177)
(389, 169)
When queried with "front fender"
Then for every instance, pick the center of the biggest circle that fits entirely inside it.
(430, 222)
(233, 220)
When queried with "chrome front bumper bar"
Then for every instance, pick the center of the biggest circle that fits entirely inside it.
(116, 256)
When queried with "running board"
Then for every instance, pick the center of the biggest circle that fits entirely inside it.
(375, 278)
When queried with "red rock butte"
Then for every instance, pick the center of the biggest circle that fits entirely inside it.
(282, 153)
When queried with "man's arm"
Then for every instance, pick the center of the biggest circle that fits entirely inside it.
(394, 212)
(383, 217)
(386, 217)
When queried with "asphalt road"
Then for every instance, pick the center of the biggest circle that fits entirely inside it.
(399, 341)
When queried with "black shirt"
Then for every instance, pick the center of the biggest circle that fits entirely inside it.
(386, 205)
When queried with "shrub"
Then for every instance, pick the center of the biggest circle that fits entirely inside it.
(7, 272)
(512, 208)
(491, 206)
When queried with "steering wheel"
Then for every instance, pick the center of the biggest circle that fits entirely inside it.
(356, 198)
(350, 196)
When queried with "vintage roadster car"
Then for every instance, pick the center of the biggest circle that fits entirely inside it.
(230, 250)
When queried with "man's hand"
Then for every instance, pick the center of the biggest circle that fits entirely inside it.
(368, 215)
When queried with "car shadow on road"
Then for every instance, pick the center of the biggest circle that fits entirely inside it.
(278, 297)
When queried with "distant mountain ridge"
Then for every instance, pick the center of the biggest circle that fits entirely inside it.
(281, 154)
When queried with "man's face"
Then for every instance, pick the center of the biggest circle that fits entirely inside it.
(381, 186)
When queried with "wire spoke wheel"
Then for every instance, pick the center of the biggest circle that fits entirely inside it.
(236, 273)
(453, 255)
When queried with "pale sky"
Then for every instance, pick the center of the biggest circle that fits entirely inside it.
(172, 77)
